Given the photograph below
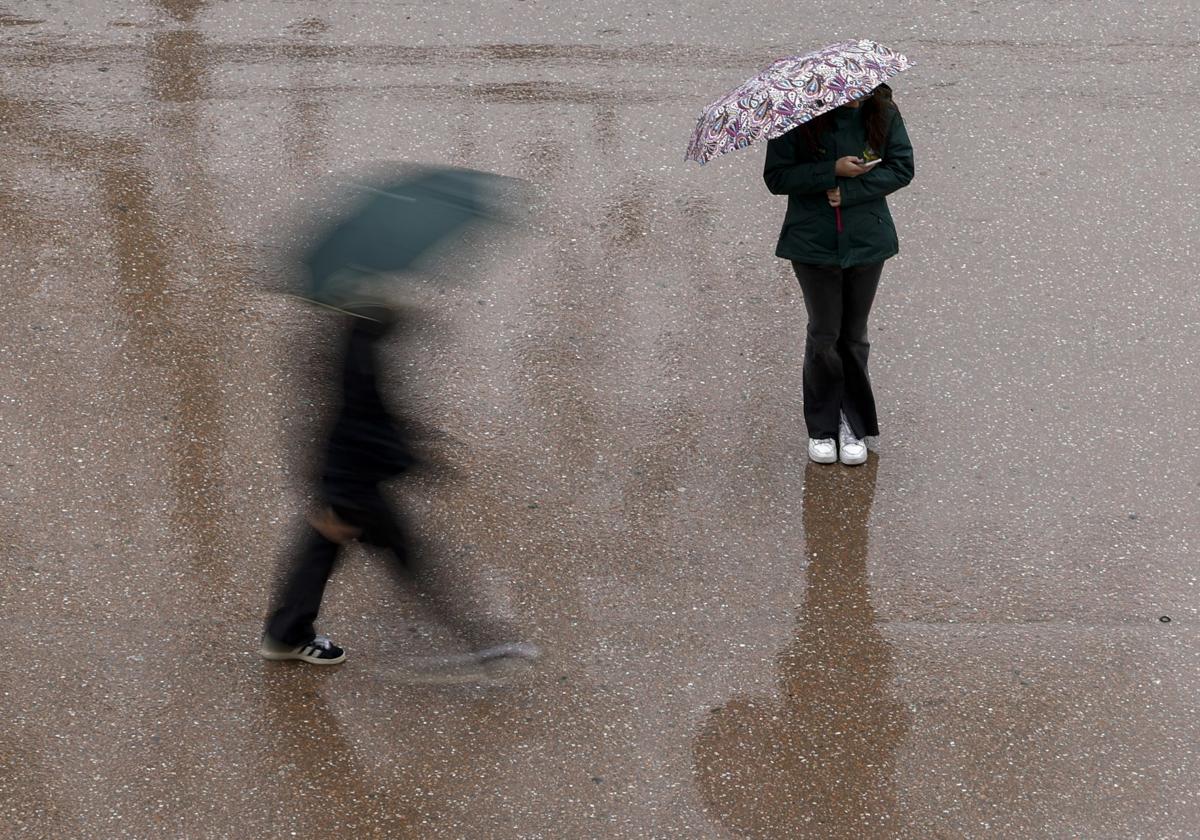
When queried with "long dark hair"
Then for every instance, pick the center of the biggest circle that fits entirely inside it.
(876, 111)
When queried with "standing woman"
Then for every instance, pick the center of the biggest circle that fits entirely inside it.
(835, 170)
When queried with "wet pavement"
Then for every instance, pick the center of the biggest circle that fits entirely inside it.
(987, 631)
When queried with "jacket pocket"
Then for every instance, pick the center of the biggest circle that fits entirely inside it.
(808, 238)
(886, 227)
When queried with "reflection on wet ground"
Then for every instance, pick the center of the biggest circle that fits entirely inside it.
(961, 639)
(307, 749)
(818, 754)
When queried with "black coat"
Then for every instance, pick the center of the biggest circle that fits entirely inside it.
(804, 174)
(366, 445)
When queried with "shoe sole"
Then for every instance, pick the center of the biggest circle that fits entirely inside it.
(287, 655)
(816, 459)
(853, 462)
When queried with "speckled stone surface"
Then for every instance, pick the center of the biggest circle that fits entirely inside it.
(966, 638)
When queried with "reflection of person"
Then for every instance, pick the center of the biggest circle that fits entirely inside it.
(320, 756)
(814, 760)
(838, 255)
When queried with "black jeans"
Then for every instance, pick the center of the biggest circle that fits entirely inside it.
(307, 568)
(838, 301)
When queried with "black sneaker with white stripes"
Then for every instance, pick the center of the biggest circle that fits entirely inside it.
(319, 651)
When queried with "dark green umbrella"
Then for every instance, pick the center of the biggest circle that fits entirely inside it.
(393, 230)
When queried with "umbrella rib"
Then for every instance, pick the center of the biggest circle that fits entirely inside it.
(378, 191)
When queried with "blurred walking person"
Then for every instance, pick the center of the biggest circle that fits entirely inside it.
(354, 269)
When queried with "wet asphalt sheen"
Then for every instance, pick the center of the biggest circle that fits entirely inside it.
(988, 631)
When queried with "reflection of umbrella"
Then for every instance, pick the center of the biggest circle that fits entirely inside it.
(397, 224)
(790, 92)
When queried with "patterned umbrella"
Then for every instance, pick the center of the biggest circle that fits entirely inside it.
(792, 91)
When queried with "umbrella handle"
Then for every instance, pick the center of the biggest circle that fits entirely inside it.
(838, 210)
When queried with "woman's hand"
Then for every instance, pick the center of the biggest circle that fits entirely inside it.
(849, 167)
(835, 197)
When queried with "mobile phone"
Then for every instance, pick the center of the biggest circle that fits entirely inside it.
(871, 164)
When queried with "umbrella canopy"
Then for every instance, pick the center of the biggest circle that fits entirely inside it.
(398, 221)
(395, 225)
(790, 92)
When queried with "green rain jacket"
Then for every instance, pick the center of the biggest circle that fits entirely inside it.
(793, 168)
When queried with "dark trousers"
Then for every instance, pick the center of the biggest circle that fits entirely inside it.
(308, 567)
(301, 587)
(838, 301)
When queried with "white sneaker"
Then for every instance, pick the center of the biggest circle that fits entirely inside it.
(822, 450)
(852, 450)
